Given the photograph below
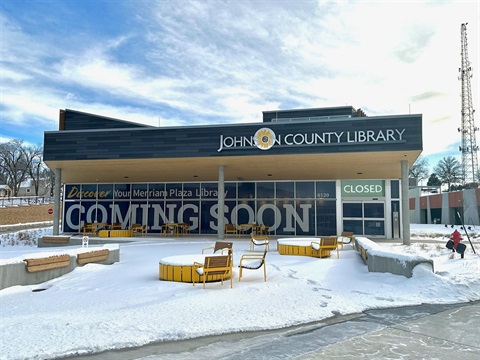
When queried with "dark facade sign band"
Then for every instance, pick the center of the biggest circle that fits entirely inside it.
(266, 138)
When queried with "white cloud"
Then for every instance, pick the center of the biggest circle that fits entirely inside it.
(201, 62)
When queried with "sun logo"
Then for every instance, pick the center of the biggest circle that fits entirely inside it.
(264, 138)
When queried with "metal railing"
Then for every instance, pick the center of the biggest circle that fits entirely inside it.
(25, 200)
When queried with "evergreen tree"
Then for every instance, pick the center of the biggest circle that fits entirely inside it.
(433, 180)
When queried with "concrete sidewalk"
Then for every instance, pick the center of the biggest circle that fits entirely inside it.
(419, 332)
(425, 331)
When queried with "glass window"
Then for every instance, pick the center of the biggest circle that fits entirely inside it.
(374, 210)
(326, 217)
(73, 209)
(122, 191)
(266, 214)
(285, 190)
(89, 191)
(246, 190)
(230, 190)
(191, 190)
(174, 191)
(206, 217)
(265, 190)
(156, 191)
(105, 191)
(190, 215)
(395, 189)
(72, 192)
(287, 224)
(356, 226)
(326, 189)
(104, 212)
(246, 212)
(139, 191)
(352, 210)
(209, 190)
(304, 190)
(305, 217)
(376, 227)
(90, 213)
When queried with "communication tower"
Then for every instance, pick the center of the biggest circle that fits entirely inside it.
(468, 130)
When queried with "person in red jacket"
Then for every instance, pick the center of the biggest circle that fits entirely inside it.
(456, 238)
(454, 243)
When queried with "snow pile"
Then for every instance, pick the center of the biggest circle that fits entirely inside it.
(98, 307)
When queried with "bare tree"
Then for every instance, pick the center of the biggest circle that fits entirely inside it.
(14, 163)
(449, 171)
(36, 170)
(419, 169)
(49, 177)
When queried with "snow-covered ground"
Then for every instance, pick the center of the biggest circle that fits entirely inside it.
(98, 307)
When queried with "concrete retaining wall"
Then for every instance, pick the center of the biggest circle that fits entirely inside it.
(16, 273)
(379, 259)
(76, 240)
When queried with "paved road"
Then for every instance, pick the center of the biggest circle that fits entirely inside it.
(426, 331)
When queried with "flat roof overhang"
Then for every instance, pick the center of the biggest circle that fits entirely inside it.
(355, 165)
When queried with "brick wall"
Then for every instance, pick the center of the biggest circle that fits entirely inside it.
(25, 214)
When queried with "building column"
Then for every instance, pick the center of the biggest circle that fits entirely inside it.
(405, 204)
(221, 203)
(429, 211)
(470, 208)
(446, 210)
(56, 200)
(388, 210)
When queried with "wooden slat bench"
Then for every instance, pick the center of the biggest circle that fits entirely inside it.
(92, 256)
(47, 263)
(56, 239)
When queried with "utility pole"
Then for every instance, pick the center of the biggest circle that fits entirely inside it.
(468, 129)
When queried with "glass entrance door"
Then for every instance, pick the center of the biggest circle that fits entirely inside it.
(364, 217)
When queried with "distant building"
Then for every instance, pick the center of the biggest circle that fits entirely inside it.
(450, 208)
(27, 188)
(5, 191)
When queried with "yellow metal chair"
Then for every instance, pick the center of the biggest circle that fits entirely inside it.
(264, 230)
(89, 228)
(230, 229)
(325, 245)
(259, 240)
(253, 262)
(220, 267)
(116, 226)
(224, 246)
(185, 228)
(138, 228)
(346, 235)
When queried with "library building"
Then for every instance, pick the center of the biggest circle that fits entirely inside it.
(300, 172)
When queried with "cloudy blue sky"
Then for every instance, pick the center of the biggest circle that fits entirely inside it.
(174, 63)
